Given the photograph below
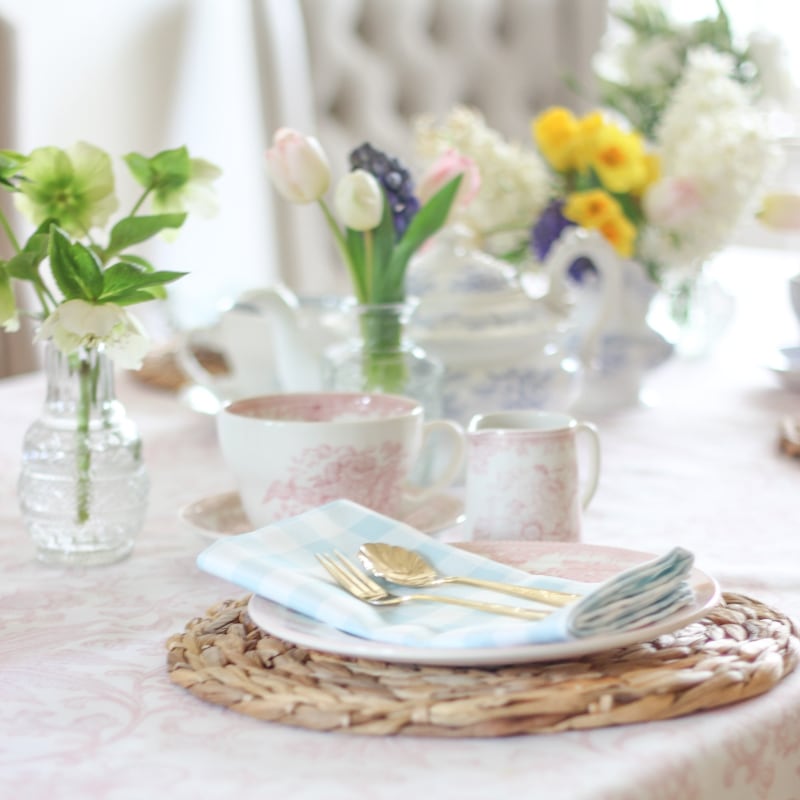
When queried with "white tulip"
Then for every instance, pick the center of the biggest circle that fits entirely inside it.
(359, 200)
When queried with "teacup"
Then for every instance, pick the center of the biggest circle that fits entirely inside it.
(292, 452)
(522, 475)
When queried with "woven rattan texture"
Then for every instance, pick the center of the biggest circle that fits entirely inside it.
(739, 650)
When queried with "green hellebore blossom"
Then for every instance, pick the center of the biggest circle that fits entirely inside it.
(195, 194)
(74, 186)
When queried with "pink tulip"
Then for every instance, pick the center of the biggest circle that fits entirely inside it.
(450, 164)
(781, 211)
(298, 166)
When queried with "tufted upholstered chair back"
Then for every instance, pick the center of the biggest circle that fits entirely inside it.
(362, 70)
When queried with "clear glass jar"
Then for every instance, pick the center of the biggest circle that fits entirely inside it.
(383, 359)
(83, 486)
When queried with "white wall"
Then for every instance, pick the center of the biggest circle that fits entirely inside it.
(145, 75)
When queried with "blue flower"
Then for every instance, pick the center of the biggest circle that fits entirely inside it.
(548, 229)
(395, 180)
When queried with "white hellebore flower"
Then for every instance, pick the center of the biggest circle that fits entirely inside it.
(78, 323)
(298, 166)
(359, 200)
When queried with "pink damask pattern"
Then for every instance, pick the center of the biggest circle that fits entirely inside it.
(372, 476)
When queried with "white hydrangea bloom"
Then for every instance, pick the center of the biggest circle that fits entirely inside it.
(514, 182)
(716, 152)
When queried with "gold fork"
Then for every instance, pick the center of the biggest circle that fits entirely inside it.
(353, 580)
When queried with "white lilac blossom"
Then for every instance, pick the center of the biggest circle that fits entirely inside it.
(514, 181)
(716, 156)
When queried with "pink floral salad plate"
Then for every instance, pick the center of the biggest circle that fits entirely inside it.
(222, 515)
(627, 596)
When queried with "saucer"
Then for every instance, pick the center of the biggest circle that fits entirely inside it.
(222, 514)
(785, 363)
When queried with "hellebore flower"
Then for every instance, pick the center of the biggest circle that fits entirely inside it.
(298, 166)
(74, 186)
(359, 200)
(79, 323)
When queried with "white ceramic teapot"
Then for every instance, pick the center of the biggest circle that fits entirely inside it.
(272, 340)
(625, 347)
(502, 347)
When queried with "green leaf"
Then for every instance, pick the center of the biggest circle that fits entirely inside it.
(10, 164)
(427, 221)
(22, 266)
(138, 260)
(75, 268)
(133, 230)
(122, 278)
(140, 168)
(168, 169)
(383, 243)
(132, 296)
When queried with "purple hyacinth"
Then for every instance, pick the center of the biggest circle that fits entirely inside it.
(395, 180)
(547, 230)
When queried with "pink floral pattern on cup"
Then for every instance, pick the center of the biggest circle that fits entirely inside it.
(293, 452)
(522, 476)
(317, 475)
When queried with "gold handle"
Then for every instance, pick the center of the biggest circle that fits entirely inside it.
(494, 608)
(548, 596)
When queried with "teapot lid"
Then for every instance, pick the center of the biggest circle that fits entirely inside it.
(461, 287)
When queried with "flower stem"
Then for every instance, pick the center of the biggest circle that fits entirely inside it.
(7, 228)
(383, 365)
(341, 243)
(86, 384)
(138, 204)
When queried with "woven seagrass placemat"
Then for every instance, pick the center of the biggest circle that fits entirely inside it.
(739, 650)
(161, 369)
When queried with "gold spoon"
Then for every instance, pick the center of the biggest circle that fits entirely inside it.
(407, 568)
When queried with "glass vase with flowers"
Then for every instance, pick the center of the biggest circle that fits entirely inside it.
(83, 485)
(381, 224)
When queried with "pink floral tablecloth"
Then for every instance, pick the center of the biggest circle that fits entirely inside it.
(87, 710)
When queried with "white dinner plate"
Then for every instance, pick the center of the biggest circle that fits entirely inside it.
(577, 561)
(222, 514)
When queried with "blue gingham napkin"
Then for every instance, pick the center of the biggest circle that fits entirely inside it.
(278, 562)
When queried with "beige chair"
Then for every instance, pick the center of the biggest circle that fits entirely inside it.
(361, 70)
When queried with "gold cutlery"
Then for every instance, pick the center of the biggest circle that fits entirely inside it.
(353, 580)
(407, 568)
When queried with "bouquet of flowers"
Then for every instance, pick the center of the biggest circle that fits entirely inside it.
(644, 55)
(84, 279)
(69, 195)
(384, 221)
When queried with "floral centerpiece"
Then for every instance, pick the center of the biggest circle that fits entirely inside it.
(643, 57)
(382, 221)
(84, 279)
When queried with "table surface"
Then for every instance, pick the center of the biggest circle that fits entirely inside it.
(87, 709)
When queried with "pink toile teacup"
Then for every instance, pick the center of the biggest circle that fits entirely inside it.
(292, 452)
(522, 475)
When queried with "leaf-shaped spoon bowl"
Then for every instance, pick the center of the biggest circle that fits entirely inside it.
(407, 568)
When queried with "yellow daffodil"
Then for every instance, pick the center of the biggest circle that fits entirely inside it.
(588, 128)
(619, 160)
(596, 209)
(556, 132)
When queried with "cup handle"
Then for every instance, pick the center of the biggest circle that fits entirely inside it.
(590, 432)
(455, 434)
